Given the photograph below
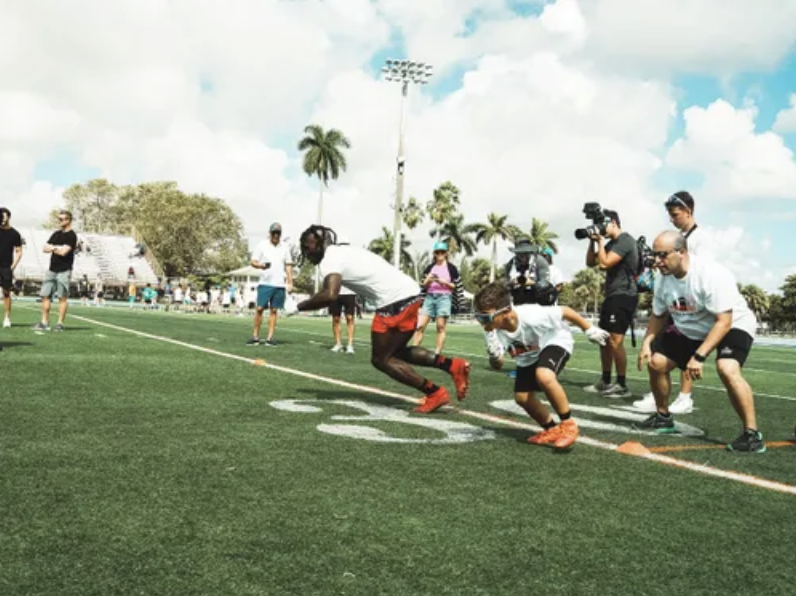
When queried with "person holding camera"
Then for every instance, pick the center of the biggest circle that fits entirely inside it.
(619, 258)
(443, 289)
(528, 275)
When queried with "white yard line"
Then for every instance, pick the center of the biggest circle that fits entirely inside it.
(664, 459)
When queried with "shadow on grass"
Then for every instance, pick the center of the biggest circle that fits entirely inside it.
(14, 344)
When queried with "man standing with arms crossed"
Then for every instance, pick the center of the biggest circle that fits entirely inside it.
(61, 247)
(10, 254)
(709, 314)
(680, 207)
(273, 257)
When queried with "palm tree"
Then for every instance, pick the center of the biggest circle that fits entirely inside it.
(756, 299)
(384, 246)
(413, 214)
(542, 237)
(587, 285)
(457, 234)
(323, 157)
(496, 228)
(444, 205)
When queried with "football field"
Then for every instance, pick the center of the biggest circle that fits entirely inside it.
(154, 453)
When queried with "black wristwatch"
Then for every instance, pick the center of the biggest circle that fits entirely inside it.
(699, 357)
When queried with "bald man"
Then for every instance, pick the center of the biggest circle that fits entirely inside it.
(709, 313)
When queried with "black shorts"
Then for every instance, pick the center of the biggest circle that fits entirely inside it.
(344, 302)
(617, 313)
(552, 357)
(678, 348)
(6, 278)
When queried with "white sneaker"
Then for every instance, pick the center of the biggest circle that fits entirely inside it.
(646, 404)
(349, 349)
(337, 348)
(7, 323)
(616, 391)
(682, 405)
(598, 387)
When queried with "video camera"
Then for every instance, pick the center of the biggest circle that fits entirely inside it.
(595, 213)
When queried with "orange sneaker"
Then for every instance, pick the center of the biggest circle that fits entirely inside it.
(546, 437)
(460, 371)
(434, 401)
(568, 433)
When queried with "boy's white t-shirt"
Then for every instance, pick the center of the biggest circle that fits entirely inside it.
(709, 288)
(278, 256)
(368, 275)
(539, 327)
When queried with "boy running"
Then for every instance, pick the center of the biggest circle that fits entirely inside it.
(397, 299)
(538, 338)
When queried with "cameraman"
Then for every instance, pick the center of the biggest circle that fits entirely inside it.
(619, 258)
(528, 275)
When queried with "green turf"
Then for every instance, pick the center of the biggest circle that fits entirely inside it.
(132, 466)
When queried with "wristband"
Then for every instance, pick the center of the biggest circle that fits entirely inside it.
(699, 357)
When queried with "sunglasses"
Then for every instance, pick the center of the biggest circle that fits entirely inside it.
(486, 318)
(440, 252)
(662, 254)
(674, 201)
(63, 219)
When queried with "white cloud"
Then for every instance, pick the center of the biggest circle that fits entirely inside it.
(786, 119)
(215, 96)
(738, 163)
(721, 37)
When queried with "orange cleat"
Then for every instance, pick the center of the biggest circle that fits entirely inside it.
(568, 433)
(546, 437)
(434, 401)
(460, 371)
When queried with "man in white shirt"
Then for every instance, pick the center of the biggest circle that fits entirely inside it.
(709, 313)
(276, 280)
(397, 300)
(680, 207)
(539, 339)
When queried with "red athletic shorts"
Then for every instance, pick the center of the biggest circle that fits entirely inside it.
(401, 316)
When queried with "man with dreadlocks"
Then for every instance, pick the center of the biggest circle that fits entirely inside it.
(397, 299)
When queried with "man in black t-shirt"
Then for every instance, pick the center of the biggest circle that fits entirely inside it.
(619, 259)
(10, 254)
(61, 246)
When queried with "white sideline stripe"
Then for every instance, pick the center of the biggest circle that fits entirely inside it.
(702, 468)
(583, 370)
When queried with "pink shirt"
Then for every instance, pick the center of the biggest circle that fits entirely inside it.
(441, 271)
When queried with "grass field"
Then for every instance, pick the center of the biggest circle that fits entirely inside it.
(130, 464)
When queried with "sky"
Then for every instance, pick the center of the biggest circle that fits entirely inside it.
(534, 108)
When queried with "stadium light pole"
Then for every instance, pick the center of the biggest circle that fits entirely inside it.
(403, 72)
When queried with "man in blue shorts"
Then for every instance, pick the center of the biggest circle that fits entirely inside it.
(276, 279)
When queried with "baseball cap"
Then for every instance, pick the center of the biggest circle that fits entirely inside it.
(275, 227)
(523, 245)
(440, 246)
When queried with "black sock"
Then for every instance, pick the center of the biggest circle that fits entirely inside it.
(549, 425)
(566, 416)
(620, 380)
(428, 387)
(667, 415)
(443, 363)
(607, 377)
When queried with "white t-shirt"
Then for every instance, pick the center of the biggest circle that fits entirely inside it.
(539, 327)
(694, 301)
(178, 294)
(344, 291)
(368, 275)
(556, 277)
(278, 256)
(696, 243)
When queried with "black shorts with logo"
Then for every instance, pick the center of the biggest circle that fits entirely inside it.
(344, 302)
(617, 313)
(678, 348)
(552, 357)
(6, 278)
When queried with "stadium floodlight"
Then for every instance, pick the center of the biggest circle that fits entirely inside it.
(404, 72)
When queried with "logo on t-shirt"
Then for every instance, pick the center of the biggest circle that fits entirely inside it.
(518, 348)
(682, 305)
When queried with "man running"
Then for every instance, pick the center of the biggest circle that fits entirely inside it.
(397, 299)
